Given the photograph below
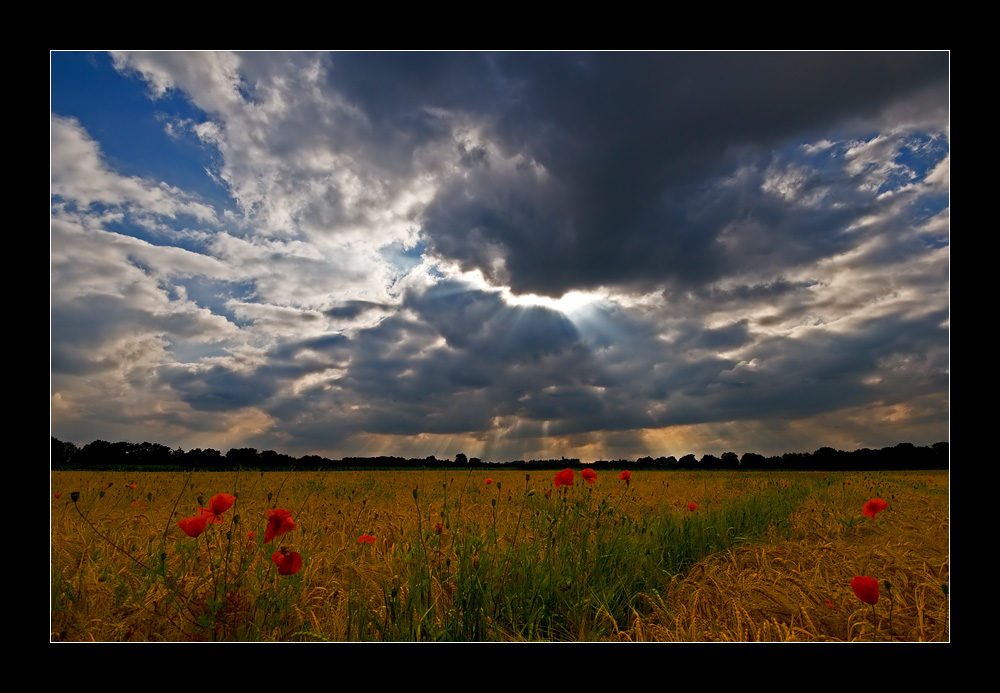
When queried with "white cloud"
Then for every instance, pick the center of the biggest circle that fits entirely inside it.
(940, 176)
(80, 175)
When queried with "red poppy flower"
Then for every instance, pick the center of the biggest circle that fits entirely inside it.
(624, 475)
(57, 496)
(438, 528)
(865, 588)
(874, 507)
(489, 481)
(288, 562)
(278, 522)
(692, 507)
(218, 504)
(829, 603)
(589, 475)
(193, 526)
(132, 487)
(564, 478)
(221, 502)
(366, 539)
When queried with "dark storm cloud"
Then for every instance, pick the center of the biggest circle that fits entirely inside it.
(793, 378)
(349, 310)
(723, 338)
(81, 331)
(220, 389)
(632, 146)
(450, 360)
(396, 87)
(405, 100)
(480, 320)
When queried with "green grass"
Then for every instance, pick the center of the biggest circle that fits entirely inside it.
(572, 569)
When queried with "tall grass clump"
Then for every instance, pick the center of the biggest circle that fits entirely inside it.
(208, 576)
(567, 564)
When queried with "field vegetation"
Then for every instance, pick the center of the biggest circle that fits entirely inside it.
(432, 555)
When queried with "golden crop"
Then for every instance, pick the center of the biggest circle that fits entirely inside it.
(450, 549)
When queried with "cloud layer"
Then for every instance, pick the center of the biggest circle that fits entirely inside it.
(510, 255)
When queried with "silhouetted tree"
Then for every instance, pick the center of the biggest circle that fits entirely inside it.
(62, 453)
(794, 460)
(149, 454)
(100, 454)
(710, 462)
(242, 457)
(202, 459)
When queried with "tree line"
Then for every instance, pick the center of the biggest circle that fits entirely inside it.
(102, 455)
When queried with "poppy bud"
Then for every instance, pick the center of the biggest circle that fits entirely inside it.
(74, 496)
(201, 501)
(414, 494)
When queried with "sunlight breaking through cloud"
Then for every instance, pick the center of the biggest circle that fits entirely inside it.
(516, 254)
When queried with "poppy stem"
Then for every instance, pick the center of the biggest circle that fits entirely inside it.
(875, 623)
(173, 510)
(888, 594)
(890, 618)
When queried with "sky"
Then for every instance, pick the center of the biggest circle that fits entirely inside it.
(510, 255)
